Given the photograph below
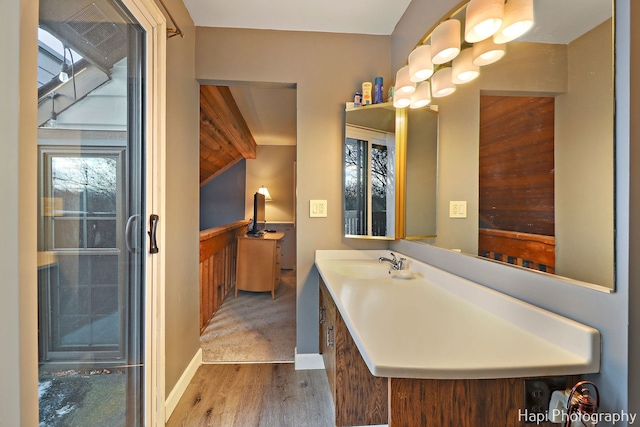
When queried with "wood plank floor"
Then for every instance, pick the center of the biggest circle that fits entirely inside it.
(255, 395)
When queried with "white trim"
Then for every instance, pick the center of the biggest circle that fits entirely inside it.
(181, 386)
(152, 20)
(308, 361)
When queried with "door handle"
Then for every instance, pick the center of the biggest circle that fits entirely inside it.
(128, 237)
(153, 229)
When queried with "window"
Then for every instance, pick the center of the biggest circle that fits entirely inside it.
(369, 158)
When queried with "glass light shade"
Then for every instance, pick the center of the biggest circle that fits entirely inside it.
(401, 99)
(518, 19)
(463, 69)
(445, 41)
(64, 72)
(483, 19)
(442, 83)
(487, 52)
(403, 83)
(264, 190)
(420, 66)
(422, 96)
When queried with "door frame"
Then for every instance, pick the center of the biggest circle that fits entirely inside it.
(149, 16)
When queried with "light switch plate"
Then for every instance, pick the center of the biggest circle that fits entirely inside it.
(317, 208)
(457, 209)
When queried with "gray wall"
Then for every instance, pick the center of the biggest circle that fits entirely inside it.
(222, 199)
(326, 69)
(607, 312)
(182, 274)
(273, 167)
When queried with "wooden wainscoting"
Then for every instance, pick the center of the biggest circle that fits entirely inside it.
(218, 249)
(524, 249)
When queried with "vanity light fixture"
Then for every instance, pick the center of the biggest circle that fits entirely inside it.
(403, 83)
(401, 99)
(442, 83)
(420, 65)
(487, 52)
(422, 96)
(463, 68)
(483, 19)
(518, 19)
(264, 190)
(445, 41)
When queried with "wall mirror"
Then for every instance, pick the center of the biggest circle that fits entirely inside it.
(370, 168)
(529, 147)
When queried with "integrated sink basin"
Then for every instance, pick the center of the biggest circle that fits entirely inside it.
(363, 269)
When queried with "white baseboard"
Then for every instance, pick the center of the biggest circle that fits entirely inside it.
(308, 361)
(180, 387)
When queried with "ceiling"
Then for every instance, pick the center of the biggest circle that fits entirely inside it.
(334, 16)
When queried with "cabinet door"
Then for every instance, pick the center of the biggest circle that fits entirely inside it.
(327, 337)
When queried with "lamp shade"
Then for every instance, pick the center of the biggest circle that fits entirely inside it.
(420, 66)
(445, 41)
(401, 99)
(422, 96)
(264, 190)
(483, 19)
(463, 69)
(518, 19)
(487, 52)
(442, 83)
(403, 83)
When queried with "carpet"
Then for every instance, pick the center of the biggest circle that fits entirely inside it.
(253, 328)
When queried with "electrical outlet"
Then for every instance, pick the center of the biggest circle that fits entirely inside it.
(317, 208)
(537, 393)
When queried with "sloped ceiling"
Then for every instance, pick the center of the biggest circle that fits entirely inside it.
(225, 137)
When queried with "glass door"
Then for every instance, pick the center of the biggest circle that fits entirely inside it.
(92, 214)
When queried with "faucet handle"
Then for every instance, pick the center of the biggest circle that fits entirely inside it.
(401, 264)
(393, 256)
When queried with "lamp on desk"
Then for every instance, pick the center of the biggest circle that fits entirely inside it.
(264, 190)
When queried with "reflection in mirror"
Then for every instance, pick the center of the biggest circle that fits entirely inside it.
(489, 143)
(369, 172)
(422, 173)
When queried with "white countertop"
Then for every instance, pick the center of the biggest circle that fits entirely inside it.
(440, 326)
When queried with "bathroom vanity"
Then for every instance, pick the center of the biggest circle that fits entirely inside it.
(430, 348)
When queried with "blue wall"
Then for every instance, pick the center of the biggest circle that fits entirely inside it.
(222, 199)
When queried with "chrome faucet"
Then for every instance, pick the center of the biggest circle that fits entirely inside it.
(396, 264)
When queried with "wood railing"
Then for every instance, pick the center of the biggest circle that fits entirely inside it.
(218, 249)
(524, 249)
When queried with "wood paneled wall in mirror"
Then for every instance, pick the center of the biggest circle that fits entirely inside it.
(488, 158)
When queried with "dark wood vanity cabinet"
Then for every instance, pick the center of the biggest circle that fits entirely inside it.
(359, 398)
(362, 399)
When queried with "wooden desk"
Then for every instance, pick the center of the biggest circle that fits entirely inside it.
(258, 265)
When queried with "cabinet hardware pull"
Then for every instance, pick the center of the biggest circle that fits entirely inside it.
(322, 315)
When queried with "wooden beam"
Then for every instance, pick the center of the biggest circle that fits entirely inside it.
(218, 104)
